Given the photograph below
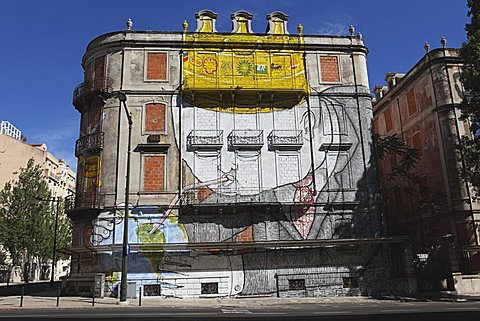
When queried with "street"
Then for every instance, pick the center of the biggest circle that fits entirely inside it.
(388, 310)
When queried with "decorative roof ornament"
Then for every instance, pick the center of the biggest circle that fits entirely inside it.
(185, 25)
(351, 29)
(443, 41)
(300, 29)
(426, 46)
(129, 24)
(241, 22)
(359, 36)
(277, 23)
(206, 21)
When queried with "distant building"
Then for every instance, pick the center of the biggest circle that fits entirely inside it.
(251, 166)
(14, 154)
(441, 217)
(7, 128)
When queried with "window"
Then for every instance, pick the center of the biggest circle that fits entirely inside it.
(154, 173)
(388, 121)
(156, 66)
(155, 118)
(411, 103)
(296, 285)
(329, 69)
(417, 142)
(209, 288)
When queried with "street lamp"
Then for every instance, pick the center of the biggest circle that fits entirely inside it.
(123, 282)
(54, 254)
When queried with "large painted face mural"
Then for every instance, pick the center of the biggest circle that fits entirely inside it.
(251, 134)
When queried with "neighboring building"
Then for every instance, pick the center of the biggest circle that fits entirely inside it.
(7, 128)
(441, 217)
(251, 170)
(14, 154)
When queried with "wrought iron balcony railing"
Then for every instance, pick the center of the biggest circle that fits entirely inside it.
(245, 139)
(206, 196)
(91, 199)
(205, 139)
(285, 140)
(103, 85)
(92, 142)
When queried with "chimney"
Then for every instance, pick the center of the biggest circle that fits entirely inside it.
(277, 23)
(380, 91)
(206, 20)
(241, 22)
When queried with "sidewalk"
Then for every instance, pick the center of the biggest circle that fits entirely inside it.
(49, 301)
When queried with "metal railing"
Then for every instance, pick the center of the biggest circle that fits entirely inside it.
(205, 139)
(245, 139)
(278, 139)
(207, 196)
(97, 85)
(89, 199)
(89, 142)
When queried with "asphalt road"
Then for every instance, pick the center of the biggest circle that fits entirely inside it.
(424, 311)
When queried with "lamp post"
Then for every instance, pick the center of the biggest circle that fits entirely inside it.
(123, 282)
(54, 251)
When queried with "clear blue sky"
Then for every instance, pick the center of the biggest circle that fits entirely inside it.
(43, 42)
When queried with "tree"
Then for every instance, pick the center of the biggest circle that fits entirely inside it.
(27, 218)
(405, 159)
(470, 107)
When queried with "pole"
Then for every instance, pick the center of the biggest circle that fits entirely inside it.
(21, 297)
(54, 257)
(123, 282)
(58, 296)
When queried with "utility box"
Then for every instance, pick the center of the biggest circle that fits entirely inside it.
(99, 286)
(131, 290)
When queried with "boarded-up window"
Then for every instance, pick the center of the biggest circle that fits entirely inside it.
(156, 66)
(99, 67)
(155, 118)
(329, 69)
(154, 173)
(417, 142)
(388, 121)
(412, 104)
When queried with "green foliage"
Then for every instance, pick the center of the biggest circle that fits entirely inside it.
(406, 159)
(470, 107)
(27, 217)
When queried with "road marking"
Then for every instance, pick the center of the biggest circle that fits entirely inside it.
(244, 311)
(401, 310)
(332, 312)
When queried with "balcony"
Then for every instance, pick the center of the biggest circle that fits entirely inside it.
(205, 139)
(245, 139)
(89, 143)
(98, 86)
(91, 199)
(285, 140)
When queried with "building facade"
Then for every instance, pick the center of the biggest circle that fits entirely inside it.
(440, 215)
(251, 165)
(14, 155)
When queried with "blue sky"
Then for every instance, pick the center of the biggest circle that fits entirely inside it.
(43, 42)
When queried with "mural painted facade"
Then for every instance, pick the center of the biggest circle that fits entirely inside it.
(251, 167)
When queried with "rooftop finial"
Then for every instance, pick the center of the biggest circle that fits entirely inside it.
(351, 29)
(359, 36)
(129, 24)
(300, 29)
(426, 46)
(185, 25)
(443, 41)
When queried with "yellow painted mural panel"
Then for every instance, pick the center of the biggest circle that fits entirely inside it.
(244, 71)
